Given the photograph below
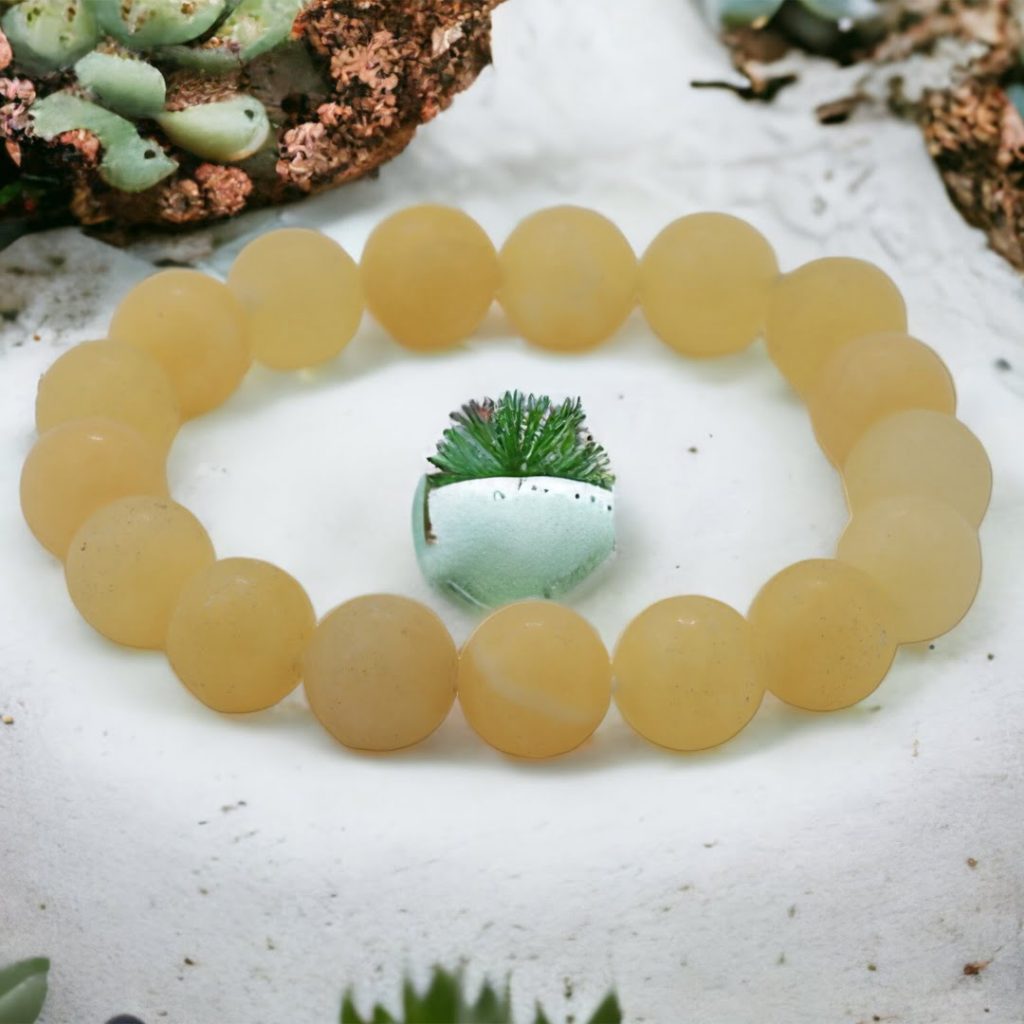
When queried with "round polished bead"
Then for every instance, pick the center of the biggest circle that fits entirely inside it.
(820, 306)
(113, 380)
(568, 278)
(195, 329)
(128, 564)
(380, 672)
(302, 297)
(78, 467)
(923, 554)
(687, 674)
(534, 679)
(430, 274)
(704, 284)
(870, 378)
(237, 634)
(924, 453)
(823, 629)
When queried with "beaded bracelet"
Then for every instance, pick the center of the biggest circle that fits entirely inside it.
(381, 672)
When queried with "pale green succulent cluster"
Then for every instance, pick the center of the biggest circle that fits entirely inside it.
(738, 13)
(116, 49)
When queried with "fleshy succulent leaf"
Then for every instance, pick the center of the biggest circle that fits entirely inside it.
(46, 35)
(23, 991)
(146, 23)
(226, 131)
(1016, 93)
(520, 435)
(253, 28)
(733, 13)
(125, 84)
(130, 162)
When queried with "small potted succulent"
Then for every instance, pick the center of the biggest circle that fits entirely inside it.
(520, 504)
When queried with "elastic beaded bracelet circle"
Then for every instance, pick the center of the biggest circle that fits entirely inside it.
(381, 672)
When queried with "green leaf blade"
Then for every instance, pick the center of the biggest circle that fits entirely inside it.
(23, 990)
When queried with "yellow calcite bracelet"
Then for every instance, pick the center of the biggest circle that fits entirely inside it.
(534, 680)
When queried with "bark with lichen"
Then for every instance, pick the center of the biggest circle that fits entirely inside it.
(345, 95)
(973, 130)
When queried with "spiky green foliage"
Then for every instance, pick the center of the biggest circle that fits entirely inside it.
(444, 1001)
(520, 435)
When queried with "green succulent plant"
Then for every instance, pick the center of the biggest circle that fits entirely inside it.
(739, 13)
(520, 435)
(115, 50)
(445, 1002)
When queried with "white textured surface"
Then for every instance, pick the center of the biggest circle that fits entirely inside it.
(750, 885)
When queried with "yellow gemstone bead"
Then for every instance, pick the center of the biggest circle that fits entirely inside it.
(870, 378)
(128, 564)
(687, 674)
(923, 554)
(820, 306)
(237, 634)
(430, 274)
(302, 296)
(823, 628)
(534, 679)
(924, 453)
(78, 467)
(704, 284)
(195, 329)
(113, 380)
(568, 278)
(380, 672)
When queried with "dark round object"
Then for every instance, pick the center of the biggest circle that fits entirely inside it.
(124, 1018)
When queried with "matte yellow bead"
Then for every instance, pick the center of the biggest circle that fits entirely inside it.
(568, 278)
(195, 329)
(923, 554)
(534, 679)
(924, 453)
(430, 274)
(302, 297)
(380, 672)
(78, 467)
(237, 633)
(128, 564)
(820, 306)
(823, 628)
(705, 282)
(113, 380)
(687, 673)
(870, 378)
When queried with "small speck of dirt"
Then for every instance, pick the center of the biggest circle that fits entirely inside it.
(692, 449)
(872, 967)
(270, 944)
(972, 862)
(781, 960)
(991, 656)
(567, 988)
(792, 911)
(1003, 364)
(7, 719)
(42, 906)
(707, 846)
(976, 966)
(189, 962)
(203, 823)
(931, 647)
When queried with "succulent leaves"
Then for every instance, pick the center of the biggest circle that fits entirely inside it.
(104, 40)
